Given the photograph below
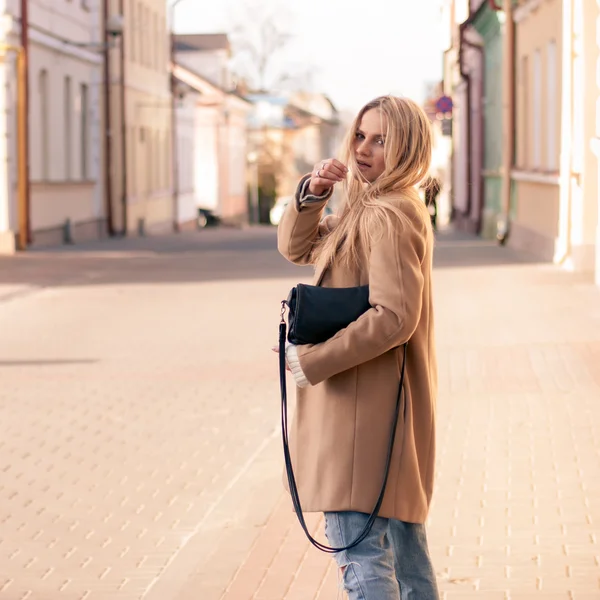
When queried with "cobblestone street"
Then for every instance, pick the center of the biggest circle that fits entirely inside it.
(140, 454)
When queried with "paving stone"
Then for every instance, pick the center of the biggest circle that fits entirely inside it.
(140, 454)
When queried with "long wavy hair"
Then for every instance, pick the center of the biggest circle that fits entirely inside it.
(368, 208)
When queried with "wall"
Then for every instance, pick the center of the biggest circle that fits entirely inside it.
(593, 14)
(489, 27)
(538, 127)
(148, 117)
(207, 161)
(235, 202)
(214, 65)
(65, 75)
(186, 159)
(586, 215)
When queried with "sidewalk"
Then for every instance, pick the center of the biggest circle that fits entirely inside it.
(141, 457)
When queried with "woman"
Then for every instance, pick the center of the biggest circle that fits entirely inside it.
(348, 385)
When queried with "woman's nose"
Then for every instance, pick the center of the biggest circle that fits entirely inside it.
(363, 148)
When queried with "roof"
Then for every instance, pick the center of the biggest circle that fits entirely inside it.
(190, 42)
(182, 73)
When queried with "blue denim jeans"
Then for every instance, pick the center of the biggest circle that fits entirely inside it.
(392, 563)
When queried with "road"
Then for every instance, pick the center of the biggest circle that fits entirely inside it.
(140, 455)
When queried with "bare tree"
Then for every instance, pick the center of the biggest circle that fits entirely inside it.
(260, 37)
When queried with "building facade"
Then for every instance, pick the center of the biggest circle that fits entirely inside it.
(139, 156)
(593, 64)
(488, 21)
(555, 174)
(217, 118)
(289, 134)
(211, 155)
(65, 129)
(463, 81)
(541, 145)
(538, 103)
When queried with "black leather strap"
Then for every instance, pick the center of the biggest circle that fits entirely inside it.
(288, 461)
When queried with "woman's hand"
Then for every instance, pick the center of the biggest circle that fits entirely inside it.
(276, 350)
(325, 175)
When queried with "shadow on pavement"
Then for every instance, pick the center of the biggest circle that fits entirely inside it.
(455, 249)
(210, 255)
(45, 362)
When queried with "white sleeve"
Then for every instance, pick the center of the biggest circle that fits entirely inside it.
(291, 357)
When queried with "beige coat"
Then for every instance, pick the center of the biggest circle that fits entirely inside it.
(340, 434)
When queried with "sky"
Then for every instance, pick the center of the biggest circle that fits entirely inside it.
(354, 50)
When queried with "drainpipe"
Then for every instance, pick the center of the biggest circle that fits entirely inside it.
(123, 128)
(467, 79)
(480, 207)
(448, 89)
(508, 121)
(480, 49)
(108, 132)
(25, 237)
(174, 143)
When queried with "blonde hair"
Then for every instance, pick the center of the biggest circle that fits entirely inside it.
(370, 207)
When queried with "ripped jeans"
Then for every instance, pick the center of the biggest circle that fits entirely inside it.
(392, 563)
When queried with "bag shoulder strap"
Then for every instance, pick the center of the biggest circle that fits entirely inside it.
(288, 460)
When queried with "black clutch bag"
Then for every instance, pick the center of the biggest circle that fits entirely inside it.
(316, 314)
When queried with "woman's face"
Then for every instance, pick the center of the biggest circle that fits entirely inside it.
(369, 139)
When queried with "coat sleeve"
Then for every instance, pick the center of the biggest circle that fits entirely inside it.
(396, 297)
(301, 226)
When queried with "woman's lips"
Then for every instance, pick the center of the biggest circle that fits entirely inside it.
(362, 165)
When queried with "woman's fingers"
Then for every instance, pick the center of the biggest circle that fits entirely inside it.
(336, 168)
(330, 170)
(276, 350)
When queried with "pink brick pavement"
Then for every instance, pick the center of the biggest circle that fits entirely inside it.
(140, 455)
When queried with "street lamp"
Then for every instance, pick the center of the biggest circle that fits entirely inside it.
(114, 29)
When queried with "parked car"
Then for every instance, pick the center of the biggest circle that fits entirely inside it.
(277, 211)
(207, 218)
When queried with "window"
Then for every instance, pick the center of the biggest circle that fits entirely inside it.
(537, 110)
(149, 162)
(552, 116)
(164, 45)
(157, 157)
(525, 112)
(137, 27)
(68, 125)
(155, 45)
(85, 135)
(145, 33)
(44, 125)
(167, 166)
(133, 37)
(133, 140)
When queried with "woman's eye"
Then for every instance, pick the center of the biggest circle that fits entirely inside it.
(359, 136)
(380, 142)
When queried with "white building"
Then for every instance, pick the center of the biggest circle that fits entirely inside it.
(65, 140)
(211, 131)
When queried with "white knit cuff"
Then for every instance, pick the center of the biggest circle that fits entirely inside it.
(291, 356)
